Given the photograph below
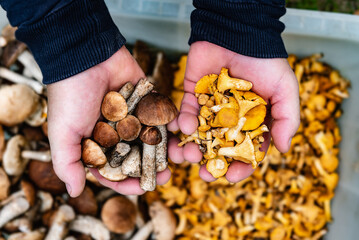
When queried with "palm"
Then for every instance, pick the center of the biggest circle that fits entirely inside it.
(272, 79)
(74, 108)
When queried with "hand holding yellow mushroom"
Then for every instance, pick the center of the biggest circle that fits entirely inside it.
(236, 113)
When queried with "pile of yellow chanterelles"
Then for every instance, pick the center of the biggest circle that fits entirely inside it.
(288, 196)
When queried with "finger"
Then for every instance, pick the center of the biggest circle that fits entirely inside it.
(285, 112)
(192, 153)
(205, 175)
(187, 119)
(238, 171)
(175, 153)
(129, 186)
(173, 125)
(66, 155)
(163, 177)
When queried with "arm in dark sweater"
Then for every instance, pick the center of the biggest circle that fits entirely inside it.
(70, 36)
(66, 37)
(248, 27)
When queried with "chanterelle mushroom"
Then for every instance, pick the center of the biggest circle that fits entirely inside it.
(17, 103)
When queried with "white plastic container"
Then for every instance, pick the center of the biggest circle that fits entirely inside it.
(165, 24)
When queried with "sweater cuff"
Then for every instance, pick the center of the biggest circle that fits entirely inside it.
(72, 39)
(250, 28)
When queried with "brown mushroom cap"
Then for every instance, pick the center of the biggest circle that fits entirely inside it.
(164, 222)
(92, 154)
(105, 135)
(85, 203)
(11, 52)
(114, 107)
(4, 185)
(119, 214)
(42, 174)
(29, 192)
(14, 164)
(155, 109)
(17, 103)
(150, 135)
(128, 128)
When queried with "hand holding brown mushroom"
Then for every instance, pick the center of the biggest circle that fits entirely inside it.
(152, 111)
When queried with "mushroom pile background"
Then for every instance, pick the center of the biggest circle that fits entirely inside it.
(289, 195)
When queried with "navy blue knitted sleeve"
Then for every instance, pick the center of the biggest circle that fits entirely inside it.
(248, 27)
(67, 36)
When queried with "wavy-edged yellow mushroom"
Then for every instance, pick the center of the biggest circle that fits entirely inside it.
(225, 82)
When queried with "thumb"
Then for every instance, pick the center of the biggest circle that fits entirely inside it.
(285, 112)
(66, 155)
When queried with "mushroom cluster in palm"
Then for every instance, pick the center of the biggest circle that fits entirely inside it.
(230, 122)
(132, 142)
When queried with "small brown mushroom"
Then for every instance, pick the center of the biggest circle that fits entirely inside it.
(4, 185)
(163, 71)
(105, 135)
(11, 52)
(142, 88)
(150, 135)
(92, 154)
(17, 103)
(91, 226)
(114, 107)
(163, 223)
(118, 154)
(128, 128)
(85, 203)
(7, 35)
(131, 166)
(112, 174)
(119, 214)
(155, 109)
(43, 176)
(15, 208)
(58, 229)
(141, 52)
(14, 164)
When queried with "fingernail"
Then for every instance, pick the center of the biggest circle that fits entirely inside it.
(68, 187)
(290, 142)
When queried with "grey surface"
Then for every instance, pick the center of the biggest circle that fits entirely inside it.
(307, 32)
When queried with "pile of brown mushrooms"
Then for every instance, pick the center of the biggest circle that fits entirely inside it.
(34, 204)
(137, 120)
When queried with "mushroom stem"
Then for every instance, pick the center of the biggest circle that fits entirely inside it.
(142, 88)
(43, 156)
(161, 150)
(22, 224)
(139, 219)
(29, 62)
(148, 178)
(15, 208)
(127, 90)
(17, 78)
(131, 166)
(33, 235)
(144, 232)
(58, 228)
(90, 226)
(119, 153)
